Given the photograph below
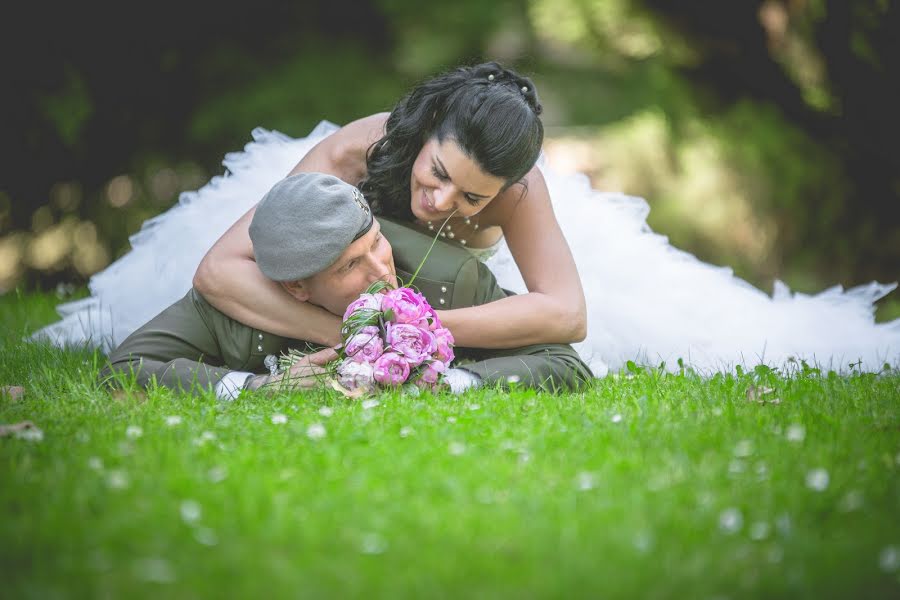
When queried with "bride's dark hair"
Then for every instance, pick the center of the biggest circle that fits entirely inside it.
(490, 111)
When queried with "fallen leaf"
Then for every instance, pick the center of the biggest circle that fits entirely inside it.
(23, 430)
(124, 396)
(352, 394)
(13, 392)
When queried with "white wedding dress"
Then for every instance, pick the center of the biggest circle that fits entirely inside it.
(647, 301)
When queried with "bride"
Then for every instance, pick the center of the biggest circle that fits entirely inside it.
(462, 147)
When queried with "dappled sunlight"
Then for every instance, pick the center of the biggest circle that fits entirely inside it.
(119, 191)
(697, 194)
(62, 244)
(612, 23)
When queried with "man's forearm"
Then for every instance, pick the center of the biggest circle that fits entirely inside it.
(548, 367)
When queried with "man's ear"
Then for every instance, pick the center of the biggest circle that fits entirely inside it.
(296, 289)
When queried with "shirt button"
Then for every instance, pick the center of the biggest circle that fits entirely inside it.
(259, 348)
(444, 288)
(441, 300)
(260, 337)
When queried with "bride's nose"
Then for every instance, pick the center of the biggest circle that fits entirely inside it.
(443, 199)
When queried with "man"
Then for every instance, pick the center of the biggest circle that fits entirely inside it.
(315, 235)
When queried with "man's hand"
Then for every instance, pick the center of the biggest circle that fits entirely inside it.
(306, 373)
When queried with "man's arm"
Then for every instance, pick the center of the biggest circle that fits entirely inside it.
(176, 348)
(549, 367)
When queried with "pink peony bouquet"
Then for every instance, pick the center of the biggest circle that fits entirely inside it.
(391, 337)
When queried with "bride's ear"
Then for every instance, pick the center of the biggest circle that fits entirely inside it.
(296, 289)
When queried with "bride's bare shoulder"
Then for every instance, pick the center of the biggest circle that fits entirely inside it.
(343, 153)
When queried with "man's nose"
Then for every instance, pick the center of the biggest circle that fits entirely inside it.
(381, 269)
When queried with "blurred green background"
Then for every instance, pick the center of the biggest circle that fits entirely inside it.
(763, 134)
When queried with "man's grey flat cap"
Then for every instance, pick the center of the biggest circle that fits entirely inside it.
(304, 223)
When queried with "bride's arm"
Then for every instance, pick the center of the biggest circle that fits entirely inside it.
(553, 310)
(229, 278)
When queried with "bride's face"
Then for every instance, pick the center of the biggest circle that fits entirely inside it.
(446, 181)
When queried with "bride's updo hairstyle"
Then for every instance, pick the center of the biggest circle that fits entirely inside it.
(490, 111)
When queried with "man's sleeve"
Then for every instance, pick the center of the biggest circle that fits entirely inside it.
(177, 348)
(549, 367)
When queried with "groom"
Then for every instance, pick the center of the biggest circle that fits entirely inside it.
(315, 235)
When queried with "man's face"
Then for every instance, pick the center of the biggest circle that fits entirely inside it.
(366, 260)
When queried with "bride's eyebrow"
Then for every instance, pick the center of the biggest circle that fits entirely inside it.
(444, 169)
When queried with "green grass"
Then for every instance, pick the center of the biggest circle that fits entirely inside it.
(649, 485)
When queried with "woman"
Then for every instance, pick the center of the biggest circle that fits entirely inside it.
(461, 147)
(436, 156)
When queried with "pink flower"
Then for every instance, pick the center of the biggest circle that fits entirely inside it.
(365, 301)
(414, 343)
(391, 369)
(408, 305)
(366, 345)
(444, 341)
(432, 373)
(355, 375)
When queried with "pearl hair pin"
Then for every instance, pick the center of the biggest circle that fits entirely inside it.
(491, 77)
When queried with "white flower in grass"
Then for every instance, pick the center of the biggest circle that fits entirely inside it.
(217, 474)
(405, 432)
(451, 419)
(173, 420)
(736, 466)
(372, 543)
(889, 559)
(852, 500)
(117, 480)
(743, 449)
(30, 434)
(775, 554)
(95, 463)
(133, 432)
(473, 406)
(796, 433)
(279, 419)
(643, 542)
(817, 480)
(316, 431)
(585, 481)
(759, 530)
(762, 471)
(513, 379)
(326, 411)
(190, 511)
(731, 520)
(616, 418)
(153, 570)
(456, 448)
(370, 403)
(204, 438)
(784, 525)
(206, 536)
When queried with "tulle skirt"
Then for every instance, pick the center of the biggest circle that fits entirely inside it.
(647, 301)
